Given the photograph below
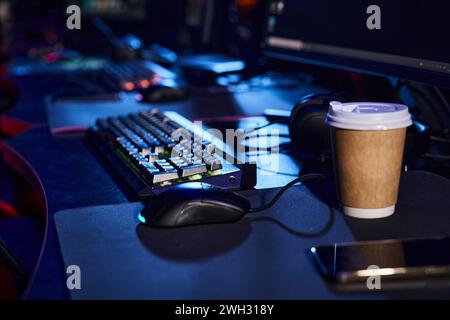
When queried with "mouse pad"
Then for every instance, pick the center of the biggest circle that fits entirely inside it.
(264, 256)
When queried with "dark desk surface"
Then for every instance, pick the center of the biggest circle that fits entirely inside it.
(72, 176)
(263, 256)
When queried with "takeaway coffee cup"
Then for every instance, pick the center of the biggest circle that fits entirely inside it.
(368, 143)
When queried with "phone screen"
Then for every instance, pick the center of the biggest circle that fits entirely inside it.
(390, 257)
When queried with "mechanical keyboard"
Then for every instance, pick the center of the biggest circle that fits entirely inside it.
(130, 76)
(146, 150)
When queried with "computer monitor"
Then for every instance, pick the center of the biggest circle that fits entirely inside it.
(402, 38)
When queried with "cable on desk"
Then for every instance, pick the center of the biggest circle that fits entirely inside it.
(303, 178)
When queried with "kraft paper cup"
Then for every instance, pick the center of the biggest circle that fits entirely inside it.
(368, 143)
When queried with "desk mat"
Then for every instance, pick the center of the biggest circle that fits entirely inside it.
(79, 113)
(264, 256)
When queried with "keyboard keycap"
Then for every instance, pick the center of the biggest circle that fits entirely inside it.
(213, 163)
(193, 169)
(185, 169)
(163, 176)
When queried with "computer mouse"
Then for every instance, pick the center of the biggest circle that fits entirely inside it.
(165, 91)
(193, 203)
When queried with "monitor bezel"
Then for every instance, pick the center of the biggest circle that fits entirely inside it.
(354, 64)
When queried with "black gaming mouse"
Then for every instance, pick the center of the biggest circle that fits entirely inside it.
(193, 203)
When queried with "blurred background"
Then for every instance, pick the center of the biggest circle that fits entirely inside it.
(205, 59)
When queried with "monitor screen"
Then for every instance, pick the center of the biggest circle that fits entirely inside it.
(408, 39)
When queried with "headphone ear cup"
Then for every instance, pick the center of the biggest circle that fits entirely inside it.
(307, 128)
(297, 113)
(309, 131)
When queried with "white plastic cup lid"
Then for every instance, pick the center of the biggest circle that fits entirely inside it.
(368, 116)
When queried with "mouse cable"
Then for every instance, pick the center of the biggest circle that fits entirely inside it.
(303, 178)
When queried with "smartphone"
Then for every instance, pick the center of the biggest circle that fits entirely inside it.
(388, 259)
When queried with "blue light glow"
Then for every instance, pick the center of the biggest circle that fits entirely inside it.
(141, 218)
(421, 127)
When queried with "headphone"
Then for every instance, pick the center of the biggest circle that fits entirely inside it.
(309, 132)
(307, 128)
